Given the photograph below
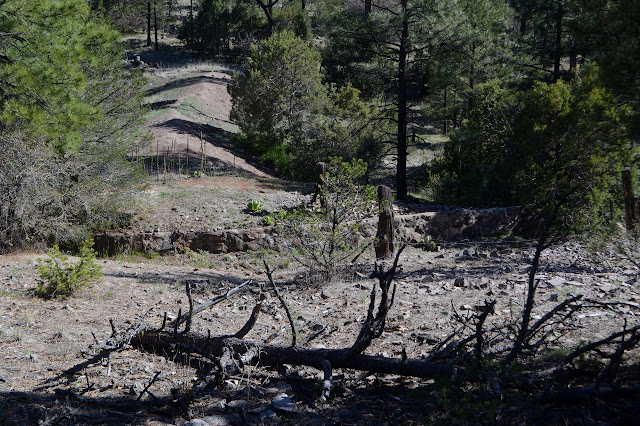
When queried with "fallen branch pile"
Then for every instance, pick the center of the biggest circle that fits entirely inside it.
(226, 354)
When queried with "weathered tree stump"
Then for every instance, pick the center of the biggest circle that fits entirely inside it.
(321, 171)
(384, 237)
(630, 207)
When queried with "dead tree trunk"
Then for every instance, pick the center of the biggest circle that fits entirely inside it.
(251, 351)
(168, 340)
(321, 171)
(630, 208)
(384, 237)
(148, 23)
(401, 162)
(155, 26)
(374, 323)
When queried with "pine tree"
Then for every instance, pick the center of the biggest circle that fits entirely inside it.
(68, 110)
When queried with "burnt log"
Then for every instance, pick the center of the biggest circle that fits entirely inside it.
(165, 343)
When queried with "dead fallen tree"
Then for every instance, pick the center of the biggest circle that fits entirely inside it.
(167, 339)
(476, 340)
(232, 350)
(253, 352)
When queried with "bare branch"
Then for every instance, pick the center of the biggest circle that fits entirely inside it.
(373, 326)
(252, 319)
(284, 304)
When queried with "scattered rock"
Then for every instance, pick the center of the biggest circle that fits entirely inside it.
(284, 387)
(223, 420)
(198, 422)
(282, 403)
(267, 416)
(237, 404)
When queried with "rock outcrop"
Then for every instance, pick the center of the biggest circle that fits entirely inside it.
(445, 225)
(456, 224)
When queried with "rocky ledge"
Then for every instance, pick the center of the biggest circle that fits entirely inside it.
(444, 225)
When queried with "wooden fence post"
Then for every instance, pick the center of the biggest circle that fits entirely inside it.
(384, 237)
(630, 207)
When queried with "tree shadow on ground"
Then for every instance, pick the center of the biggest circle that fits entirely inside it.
(215, 136)
(200, 278)
(184, 82)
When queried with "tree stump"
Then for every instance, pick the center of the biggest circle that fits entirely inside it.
(384, 237)
(321, 171)
(630, 208)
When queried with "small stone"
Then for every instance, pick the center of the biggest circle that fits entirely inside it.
(218, 404)
(135, 389)
(556, 282)
(459, 282)
(553, 297)
(284, 386)
(197, 422)
(283, 403)
(267, 416)
(317, 327)
(238, 403)
(223, 420)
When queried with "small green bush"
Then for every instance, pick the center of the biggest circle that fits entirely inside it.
(254, 206)
(61, 278)
(268, 221)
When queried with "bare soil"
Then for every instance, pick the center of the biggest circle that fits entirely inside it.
(40, 340)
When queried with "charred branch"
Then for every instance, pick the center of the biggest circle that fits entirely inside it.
(164, 343)
(374, 323)
(252, 319)
(284, 304)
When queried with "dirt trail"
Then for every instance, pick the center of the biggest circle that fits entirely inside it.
(194, 117)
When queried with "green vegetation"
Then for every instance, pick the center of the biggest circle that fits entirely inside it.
(556, 141)
(287, 114)
(254, 206)
(68, 110)
(200, 258)
(325, 237)
(61, 278)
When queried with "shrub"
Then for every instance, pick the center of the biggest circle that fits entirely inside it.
(61, 278)
(268, 221)
(321, 238)
(287, 115)
(254, 206)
